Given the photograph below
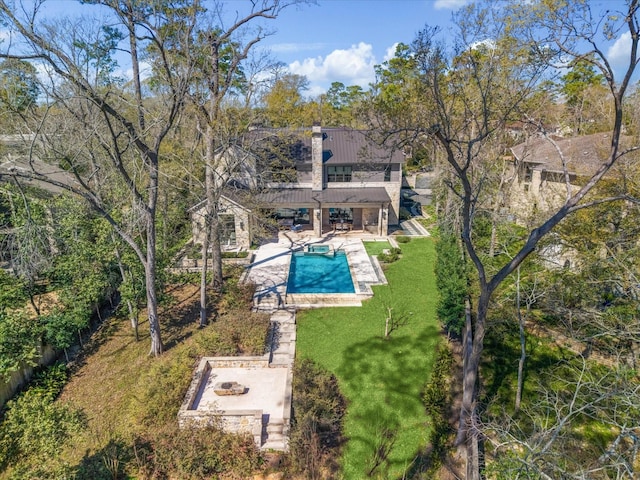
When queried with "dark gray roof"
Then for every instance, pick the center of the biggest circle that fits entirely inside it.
(340, 145)
(353, 146)
(333, 196)
(23, 167)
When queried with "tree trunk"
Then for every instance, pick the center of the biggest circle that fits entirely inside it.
(150, 265)
(473, 343)
(209, 215)
(523, 345)
(152, 309)
(216, 253)
(203, 272)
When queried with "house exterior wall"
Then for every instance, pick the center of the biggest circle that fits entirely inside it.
(375, 168)
(537, 192)
(242, 224)
(317, 173)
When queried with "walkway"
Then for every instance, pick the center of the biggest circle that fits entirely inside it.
(413, 228)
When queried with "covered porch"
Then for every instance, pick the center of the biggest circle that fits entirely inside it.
(331, 210)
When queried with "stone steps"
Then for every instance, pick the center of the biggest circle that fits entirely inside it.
(275, 434)
(274, 437)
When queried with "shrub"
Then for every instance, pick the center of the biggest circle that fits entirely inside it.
(436, 399)
(240, 254)
(235, 296)
(318, 411)
(160, 390)
(237, 333)
(403, 239)
(20, 338)
(451, 279)
(195, 453)
(391, 256)
(35, 428)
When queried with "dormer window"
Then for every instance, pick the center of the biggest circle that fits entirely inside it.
(338, 174)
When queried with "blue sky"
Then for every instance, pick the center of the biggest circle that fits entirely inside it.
(342, 40)
(332, 40)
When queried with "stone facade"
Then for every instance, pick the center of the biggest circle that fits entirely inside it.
(237, 224)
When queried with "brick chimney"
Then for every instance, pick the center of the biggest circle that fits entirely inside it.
(317, 176)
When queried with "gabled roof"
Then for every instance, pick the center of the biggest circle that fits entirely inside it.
(340, 145)
(583, 155)
(232, 194)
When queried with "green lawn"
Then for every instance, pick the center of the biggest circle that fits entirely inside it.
(381, 378)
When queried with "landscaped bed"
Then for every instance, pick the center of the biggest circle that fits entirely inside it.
(382, 378)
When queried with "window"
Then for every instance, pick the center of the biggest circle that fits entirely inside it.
(387, 173)
(227, 230)
(339, 174)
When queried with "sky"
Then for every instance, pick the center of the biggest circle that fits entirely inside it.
(342, 40)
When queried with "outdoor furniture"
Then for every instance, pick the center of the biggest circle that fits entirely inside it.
(285, 223)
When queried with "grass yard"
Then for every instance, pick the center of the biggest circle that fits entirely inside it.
(382, 378)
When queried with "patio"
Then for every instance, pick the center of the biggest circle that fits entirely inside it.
(270, 270)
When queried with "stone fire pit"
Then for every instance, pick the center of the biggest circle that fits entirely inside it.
(229, 388)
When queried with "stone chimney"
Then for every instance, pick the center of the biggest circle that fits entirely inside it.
(317, 176)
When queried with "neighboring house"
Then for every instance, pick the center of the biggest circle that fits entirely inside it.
(342, 181)
(547, 170)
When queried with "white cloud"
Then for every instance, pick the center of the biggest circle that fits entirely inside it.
(619, 53)
(390, 53)
(489, 43)
(353, 66)
(449, 4)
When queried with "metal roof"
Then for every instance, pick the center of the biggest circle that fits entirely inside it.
(325, 198)
(583, 155)
(340, 145)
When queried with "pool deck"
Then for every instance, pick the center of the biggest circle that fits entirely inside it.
(270, 269)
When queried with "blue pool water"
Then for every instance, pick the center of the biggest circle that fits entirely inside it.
(319, 274)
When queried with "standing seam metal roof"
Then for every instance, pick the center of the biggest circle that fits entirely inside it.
(299, 196)
(340, 146)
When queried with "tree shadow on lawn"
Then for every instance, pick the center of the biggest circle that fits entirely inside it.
(383, 379)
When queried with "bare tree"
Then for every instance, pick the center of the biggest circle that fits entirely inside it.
(219, 52)
(467, 98)
(90, 125)
(546, 434)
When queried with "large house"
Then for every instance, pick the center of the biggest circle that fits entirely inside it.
(324, 180)
(343, 180)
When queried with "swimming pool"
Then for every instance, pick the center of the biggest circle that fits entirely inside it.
(313, 273)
